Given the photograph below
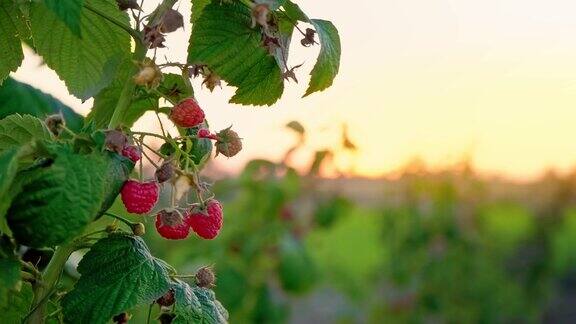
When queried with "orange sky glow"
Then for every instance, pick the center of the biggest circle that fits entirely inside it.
(494, 80)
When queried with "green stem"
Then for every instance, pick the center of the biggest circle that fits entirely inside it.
(128, 90)
(132, 32)
(50, 276)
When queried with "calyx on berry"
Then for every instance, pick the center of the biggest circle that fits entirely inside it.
(206, 219)
(172, 225)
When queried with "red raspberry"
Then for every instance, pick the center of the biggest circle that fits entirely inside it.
(172, 225)
(139, 197)
(205, 133)
(187, 113)
(206, 220)
(132, 152)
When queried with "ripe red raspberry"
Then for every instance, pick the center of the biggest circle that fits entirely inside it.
(228, 142)
(132, 152)
(206, 220)
(187, 113)
(139, 197)
(172, 225)
(205, 133)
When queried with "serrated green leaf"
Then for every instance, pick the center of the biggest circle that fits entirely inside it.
(10, 47)
(222, 39)
(201, 147)
(187, 307)
(328, 63)
(56, 201)
(68, 11)
(16, 130)
(21, 98)
(212, 311)
(294, 12)
(118, 273)
(197, 8)
(17, 304)
(86, 64)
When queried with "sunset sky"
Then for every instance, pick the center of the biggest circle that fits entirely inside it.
(439, 79)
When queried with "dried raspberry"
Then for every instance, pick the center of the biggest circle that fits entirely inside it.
(165, 172)
(167, 299)
(132, 152)
(172, 225)
(205, 277)
(206, 220)
(115, 140)
(228, 142)
(139, 197)
(187, 113)
(121, 318)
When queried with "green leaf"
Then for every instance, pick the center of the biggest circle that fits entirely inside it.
(174, 87)
(105, 101)
(272, 4)
(187, 307)
(294, 12)
(328, 63)
(9, 270)
(16, 130)
(57, 200)
(201, 147)
(118, 171)
(17, 304)
(10, 47)
(197, 8)
(223, 40)
(68, 11)
(86, 64)
(118, 273)
(212, 311)
(18, 97)
(8, 169)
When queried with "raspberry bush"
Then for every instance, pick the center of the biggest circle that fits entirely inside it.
(60, 173)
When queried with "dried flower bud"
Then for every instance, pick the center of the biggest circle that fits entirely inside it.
(165, 172)
(171, 21)
(55, 123)
(115, 140)
(205, 277)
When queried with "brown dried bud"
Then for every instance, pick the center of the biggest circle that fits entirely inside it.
(211, 81)
(308, 39)
(153, 37)
(167, 299)
(165, 172)
(121, 318)
(171, 21)
(115, 140)
(127, 4)
(55, 123)
(205, 277)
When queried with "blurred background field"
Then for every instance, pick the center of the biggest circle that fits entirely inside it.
(422, 246)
